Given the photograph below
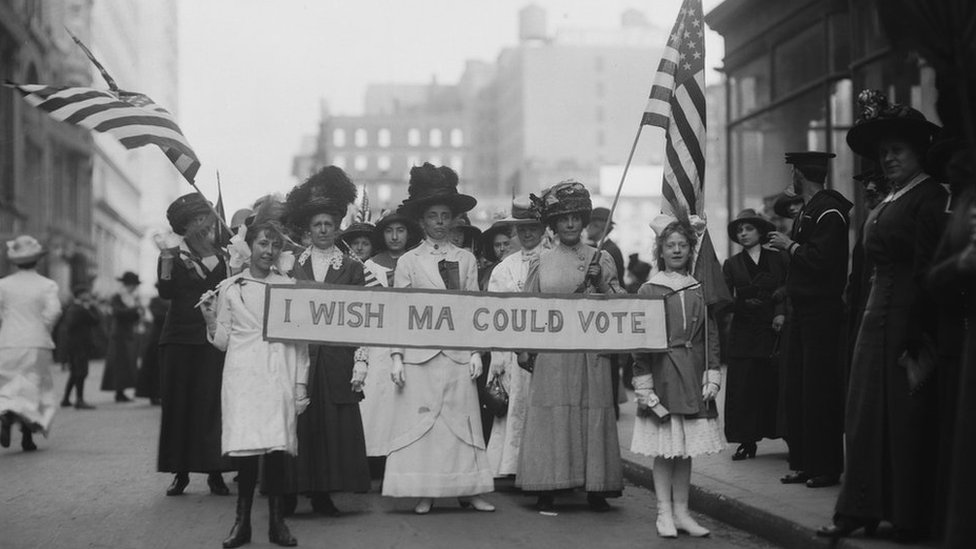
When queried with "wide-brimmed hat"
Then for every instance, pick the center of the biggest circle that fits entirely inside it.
(565, 197)
(414, 232)
(781, 206)
(327, 191)
(522, 213)
(880, 119)
(24, 249)
(487, 238)
(430, 185)
(185, 209)
(463, 224)
(749, 216)
(357, 229)
(129, 278)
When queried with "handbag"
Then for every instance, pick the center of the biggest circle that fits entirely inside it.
(495, 398)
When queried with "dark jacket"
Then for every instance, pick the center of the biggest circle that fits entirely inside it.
(184, 323)
(76, 331)
(758, 297)
(818, 266)
(611, 248)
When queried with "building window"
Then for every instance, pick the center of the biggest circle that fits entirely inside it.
(383, 137)
(383, 163)
(339, 162)
(457, 163)
(435, 137)
(361, 163)
(413, 137)
(361, 138)
(339, 137)
(749, 87)
(384, 192)
(457, 137)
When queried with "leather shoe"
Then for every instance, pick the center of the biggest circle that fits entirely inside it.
(822, 481)
(322, 504)
(180, 480)
(4, 432)
(65, 403)
(545, 503)
(747, 450)
(27, 442)
(82, 405)
(216, 483)
(121, 397)
(798, 477)
(845, 526)
(597, 503)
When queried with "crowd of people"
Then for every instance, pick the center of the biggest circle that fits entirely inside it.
(823, 346)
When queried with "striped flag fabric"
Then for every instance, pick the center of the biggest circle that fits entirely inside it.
(132, 118)
(677, 104)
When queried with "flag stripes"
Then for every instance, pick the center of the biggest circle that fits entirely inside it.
(132, 118)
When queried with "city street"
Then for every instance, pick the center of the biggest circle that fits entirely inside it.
(94, 484)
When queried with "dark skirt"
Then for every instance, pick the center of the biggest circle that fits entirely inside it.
(751, 400)
(148, 380)
(331, 444)
(189, 432)
(120, 363)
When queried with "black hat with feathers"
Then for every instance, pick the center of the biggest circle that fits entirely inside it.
(431, 185)
(327, 191)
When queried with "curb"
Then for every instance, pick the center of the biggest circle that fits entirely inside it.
(771, 527)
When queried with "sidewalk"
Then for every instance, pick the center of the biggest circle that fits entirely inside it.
(748, 494)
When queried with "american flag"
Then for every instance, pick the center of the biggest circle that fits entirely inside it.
(132, 118)
(677, 104)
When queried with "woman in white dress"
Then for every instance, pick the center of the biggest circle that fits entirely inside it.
(264, 383)
(438, 448)
(684, 381)
(509, 276)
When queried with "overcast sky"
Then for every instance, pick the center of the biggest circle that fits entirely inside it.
(253, 72)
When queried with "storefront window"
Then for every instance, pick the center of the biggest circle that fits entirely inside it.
(749, 85)
(799, 61)
(869, 37)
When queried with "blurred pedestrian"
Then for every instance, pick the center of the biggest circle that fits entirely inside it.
(331, 444)
(677, 417)
(890, 424)
(76, 342)
(818, 250)
(639, 272)
(122, 356)
(190, 265)
(510, 276)
(264, 383)
(149, 380)
(570, 436)
(756, 277)
(438, 449)
(29, 307)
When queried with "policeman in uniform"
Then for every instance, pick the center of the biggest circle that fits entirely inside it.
(818, 248)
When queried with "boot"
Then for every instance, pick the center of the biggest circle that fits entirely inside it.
(216, 483)
(681, 486)
(4, 430)
(27, 442)
(278, 532)
(180, 481)
(663, 472)
(322, 504)
(240, 533)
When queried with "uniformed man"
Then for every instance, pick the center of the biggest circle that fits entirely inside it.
(818, 247)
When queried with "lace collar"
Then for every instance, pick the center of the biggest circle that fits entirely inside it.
(332, 257)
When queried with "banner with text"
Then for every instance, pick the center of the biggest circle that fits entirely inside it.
(406, 317)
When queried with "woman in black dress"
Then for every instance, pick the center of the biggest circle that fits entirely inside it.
(890, 418)
(191, 368)
(122, 355)
(755, 277)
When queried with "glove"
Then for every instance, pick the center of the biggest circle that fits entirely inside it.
(358, 376)
(526, 361)
(168, 244)
(396, 371)
(474, 365)
(644, 389)
(711, 383)
(301, 398)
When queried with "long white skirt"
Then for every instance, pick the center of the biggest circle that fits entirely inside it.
(376, 407)
(27, 386)
(677, 437)
(506, 432)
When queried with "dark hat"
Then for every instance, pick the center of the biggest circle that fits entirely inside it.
(463, 224)
(600, 214)
(880, 119)
(867, 176)
(184, 209)
(327, 191)
(414, 233)
(487, 239)
(640, 269)
(813, 164)
(431, 185)
(129, 278)
(750, 216)
(569, 196)
(783, 202)
(357, 229)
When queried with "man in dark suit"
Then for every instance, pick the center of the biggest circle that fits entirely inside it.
(818, 248)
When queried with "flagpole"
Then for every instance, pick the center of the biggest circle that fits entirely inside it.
(213, 210)
(620, 186)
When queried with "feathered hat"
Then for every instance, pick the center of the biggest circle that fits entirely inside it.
(431, 185)
(327, 191)
(569, 196)
(880, 119)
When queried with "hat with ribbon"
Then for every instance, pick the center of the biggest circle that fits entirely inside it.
(880, 119)
(24, 249)
(565, 197)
